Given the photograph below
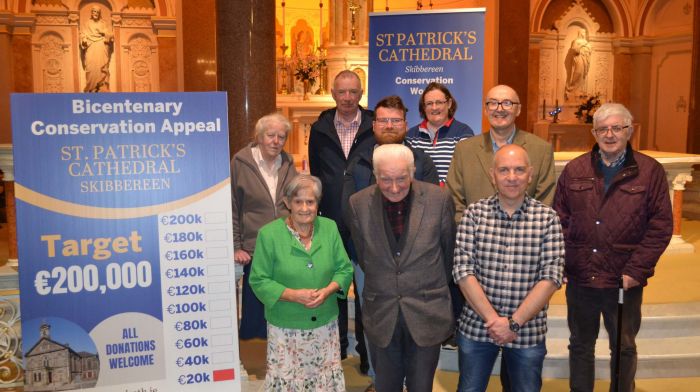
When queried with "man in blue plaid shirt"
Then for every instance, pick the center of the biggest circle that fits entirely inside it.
(509, 260)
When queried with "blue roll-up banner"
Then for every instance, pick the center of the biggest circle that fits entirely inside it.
(408, 50)
(124, 242)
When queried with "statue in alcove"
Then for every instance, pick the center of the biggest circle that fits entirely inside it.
(304, 43)
(96, 47)
(577, 63)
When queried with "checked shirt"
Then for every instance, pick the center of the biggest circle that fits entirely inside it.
(508, 256)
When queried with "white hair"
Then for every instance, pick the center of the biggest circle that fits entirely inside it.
(390, 153)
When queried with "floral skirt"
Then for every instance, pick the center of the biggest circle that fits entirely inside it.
(304, 359)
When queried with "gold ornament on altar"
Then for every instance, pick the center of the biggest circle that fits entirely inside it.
(353, 7)
(283, 68)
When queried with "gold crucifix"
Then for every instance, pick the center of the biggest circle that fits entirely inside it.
(353, 7)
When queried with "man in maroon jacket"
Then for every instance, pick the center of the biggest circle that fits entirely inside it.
(615, 211)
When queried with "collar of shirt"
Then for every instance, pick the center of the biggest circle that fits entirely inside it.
(262, 163)
(423, 128)
(508, 141)
(617, 162)
(516, 214)
(339, 123)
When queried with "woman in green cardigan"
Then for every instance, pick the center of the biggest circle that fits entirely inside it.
(299, 269)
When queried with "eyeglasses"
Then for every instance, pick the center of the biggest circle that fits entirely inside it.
(505, 104)
(385, 121)
(435, 103)
(616, 129)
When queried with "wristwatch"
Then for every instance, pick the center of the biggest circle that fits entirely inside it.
(513, 325)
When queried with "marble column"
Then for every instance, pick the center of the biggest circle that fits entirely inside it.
(638, 74)
(198, 45)
(245, 43)
(678, 244)
(8, 169)
(533, 77)
(5, 76)
(12, 260)
(621, 73)
(694, 110)
(513, 50)
(167, 52)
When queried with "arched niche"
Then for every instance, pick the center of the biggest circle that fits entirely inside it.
(606, 12)
(574, 44)
(667, 26)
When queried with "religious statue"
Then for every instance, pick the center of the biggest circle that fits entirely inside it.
(96, 47)
(577, 62)
(304, 43)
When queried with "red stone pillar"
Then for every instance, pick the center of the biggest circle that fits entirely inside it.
(694, 112)
(11, 223)
(513, 51)
(245, 56)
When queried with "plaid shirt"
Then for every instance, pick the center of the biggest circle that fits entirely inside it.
(347, 131)
(396, 213)
(508, 255)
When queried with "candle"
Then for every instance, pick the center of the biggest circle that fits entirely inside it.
(544, 109)
(320, 30)
(284, 27)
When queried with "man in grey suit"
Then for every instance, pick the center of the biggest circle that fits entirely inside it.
(404, 233)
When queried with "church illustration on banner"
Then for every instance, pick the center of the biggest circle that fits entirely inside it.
(54, 366)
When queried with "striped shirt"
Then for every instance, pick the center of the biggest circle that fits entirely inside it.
(508, 256)
(441, 147)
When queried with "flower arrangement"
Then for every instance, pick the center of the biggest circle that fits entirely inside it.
(587, 108)
(307, 68)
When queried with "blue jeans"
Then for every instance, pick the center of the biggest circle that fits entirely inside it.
(476, 360)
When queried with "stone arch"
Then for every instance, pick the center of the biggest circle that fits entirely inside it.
(112, 5)
(651, 9)
(616, 9)
(162, 7)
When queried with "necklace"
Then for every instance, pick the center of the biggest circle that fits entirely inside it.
(305, 239)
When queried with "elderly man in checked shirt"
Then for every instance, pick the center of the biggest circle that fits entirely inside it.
(509, 260)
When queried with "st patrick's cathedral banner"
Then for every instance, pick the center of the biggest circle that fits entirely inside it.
(409, 50)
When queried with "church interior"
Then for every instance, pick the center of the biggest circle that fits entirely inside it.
(644, 54)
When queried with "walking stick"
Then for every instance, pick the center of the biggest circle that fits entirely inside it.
(618, 337)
